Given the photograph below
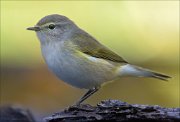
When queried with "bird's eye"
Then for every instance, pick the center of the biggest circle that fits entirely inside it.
(51, 26)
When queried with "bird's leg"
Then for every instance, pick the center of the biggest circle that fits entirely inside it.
(87, 94)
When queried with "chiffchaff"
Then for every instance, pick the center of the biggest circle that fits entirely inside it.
(79, 59)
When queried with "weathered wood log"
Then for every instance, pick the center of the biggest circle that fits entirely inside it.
(108, 110)
(15, 114)
(114, 110)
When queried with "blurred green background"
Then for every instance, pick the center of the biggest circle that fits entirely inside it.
(145, 33)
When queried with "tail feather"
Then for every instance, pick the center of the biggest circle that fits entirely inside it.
(131, 70)
(160, 76)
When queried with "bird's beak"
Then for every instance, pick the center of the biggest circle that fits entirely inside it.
(35, 28)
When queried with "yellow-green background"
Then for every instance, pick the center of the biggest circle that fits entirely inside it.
(145, 33)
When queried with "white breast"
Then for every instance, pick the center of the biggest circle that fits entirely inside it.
(76, 70)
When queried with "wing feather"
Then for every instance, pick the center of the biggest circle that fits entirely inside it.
(90, 46)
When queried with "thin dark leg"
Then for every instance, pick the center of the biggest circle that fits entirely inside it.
(87, 94)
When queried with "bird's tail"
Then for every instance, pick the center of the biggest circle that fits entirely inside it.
(131, 70)
(160, 76)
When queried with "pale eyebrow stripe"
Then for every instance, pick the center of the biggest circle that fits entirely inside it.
(59, 23)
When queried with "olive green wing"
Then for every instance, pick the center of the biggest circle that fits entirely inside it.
(88, 45)
(105, 53)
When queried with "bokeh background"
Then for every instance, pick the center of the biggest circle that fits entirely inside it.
(145, 33)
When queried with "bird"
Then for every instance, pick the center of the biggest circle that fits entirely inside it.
(78, 59)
